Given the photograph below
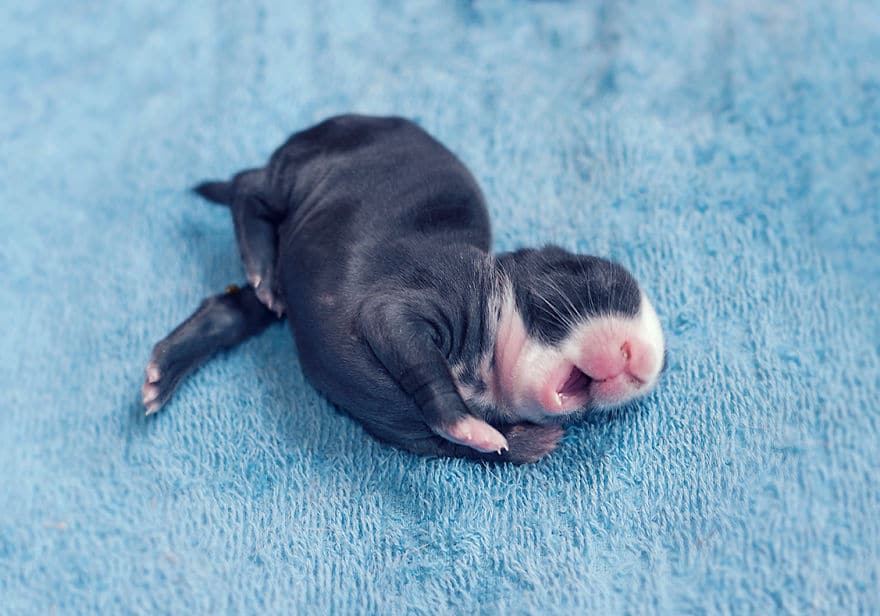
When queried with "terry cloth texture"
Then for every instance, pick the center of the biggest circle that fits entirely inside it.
(727, 153)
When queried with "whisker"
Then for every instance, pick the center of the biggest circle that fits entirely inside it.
(574, 312)
(555, 310)
(589, 290)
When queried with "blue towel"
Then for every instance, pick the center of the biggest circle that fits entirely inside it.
(727, 153)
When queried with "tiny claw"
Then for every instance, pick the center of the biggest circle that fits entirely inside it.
(149, 393)
(475, 433)
(153, 372)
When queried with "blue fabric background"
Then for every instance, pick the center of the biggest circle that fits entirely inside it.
(727, 154)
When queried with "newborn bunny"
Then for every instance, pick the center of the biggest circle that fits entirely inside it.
(374, 240)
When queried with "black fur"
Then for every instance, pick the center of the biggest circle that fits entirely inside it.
(221, 322)
(218, 192)
(374, 239)
(555, 288)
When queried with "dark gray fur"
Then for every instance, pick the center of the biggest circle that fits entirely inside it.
(374, 239)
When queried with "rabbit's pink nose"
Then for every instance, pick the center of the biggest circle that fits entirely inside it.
(614, 358)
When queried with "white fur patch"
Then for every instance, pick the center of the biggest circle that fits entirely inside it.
(520, 372)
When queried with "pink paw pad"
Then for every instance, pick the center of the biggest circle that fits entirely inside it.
(477, 434)
(153, 372)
